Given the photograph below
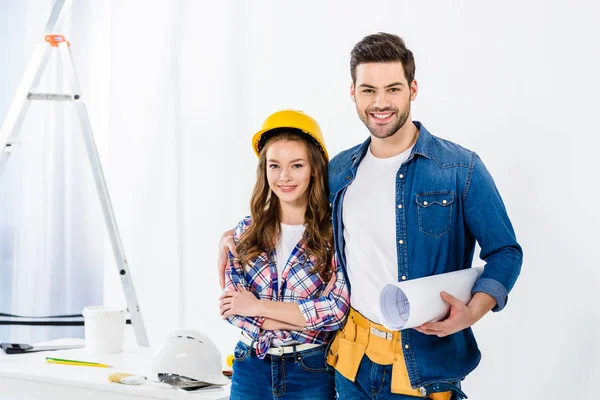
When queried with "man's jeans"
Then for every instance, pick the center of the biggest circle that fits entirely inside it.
(300, 376)
(372, 382)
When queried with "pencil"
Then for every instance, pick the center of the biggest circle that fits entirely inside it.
(61, 361)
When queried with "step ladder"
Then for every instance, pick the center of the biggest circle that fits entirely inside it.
(26, 93)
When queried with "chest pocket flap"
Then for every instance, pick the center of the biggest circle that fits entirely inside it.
(440, 198)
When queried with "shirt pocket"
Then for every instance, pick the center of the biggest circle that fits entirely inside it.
(435, 212)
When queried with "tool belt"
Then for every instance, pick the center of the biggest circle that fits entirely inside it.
(361, 337)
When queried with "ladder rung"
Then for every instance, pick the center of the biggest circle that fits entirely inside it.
(49, 96)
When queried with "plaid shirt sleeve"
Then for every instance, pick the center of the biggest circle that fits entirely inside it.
(328, 312)
(235, 275)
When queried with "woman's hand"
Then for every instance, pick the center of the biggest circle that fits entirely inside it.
(242, 303)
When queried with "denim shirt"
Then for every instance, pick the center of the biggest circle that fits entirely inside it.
(449, 202)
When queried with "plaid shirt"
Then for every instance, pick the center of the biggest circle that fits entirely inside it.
(323, 304)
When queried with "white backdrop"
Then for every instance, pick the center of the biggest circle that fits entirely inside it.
(188, 83)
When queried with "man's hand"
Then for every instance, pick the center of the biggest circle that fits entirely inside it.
(225, 244)
(461, 315)
(242, 303)
(330, 284)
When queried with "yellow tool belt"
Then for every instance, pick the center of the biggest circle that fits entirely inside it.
(362, 337)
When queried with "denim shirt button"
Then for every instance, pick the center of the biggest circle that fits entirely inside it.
(406, 346)
(401, 176)
(401, 241)
(403, 277)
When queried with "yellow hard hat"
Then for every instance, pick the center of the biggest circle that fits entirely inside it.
(295, 119)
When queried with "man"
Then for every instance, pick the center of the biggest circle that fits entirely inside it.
(406, 205)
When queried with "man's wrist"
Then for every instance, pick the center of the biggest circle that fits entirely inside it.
(223, 241)
(481, 304)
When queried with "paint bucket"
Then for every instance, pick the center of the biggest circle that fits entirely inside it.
(104, 329)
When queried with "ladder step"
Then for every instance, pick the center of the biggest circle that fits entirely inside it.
(50, 96)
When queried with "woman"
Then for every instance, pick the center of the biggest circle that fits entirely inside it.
(285, 292)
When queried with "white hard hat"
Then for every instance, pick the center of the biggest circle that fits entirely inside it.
(191, 355)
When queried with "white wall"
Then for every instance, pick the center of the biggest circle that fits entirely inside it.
(173, 110)
(515, 81)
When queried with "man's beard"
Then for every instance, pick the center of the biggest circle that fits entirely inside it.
(389, 130)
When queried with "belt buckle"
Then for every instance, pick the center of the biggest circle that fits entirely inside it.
(277, 351)
(381, 334)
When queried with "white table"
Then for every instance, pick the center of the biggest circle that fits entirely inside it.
(28, 377)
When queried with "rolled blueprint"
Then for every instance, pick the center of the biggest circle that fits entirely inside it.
(408, 304)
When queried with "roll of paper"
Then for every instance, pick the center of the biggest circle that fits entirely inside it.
(409, 304)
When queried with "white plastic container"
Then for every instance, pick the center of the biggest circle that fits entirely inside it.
(104, 329)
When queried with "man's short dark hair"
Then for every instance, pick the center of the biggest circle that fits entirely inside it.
(382, 48)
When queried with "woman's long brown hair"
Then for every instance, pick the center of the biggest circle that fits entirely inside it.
(265, 231)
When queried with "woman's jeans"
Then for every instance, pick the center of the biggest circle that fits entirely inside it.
(302, 375)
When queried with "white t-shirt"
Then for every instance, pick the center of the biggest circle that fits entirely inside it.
(290, 236)
(369, 218)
